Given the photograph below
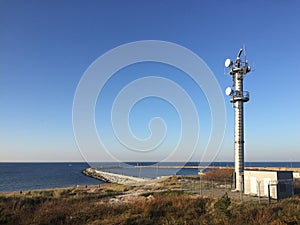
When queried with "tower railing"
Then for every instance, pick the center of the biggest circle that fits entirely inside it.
(245, 96)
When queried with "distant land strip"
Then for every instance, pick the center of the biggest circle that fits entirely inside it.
(221, 167)
(124, 179)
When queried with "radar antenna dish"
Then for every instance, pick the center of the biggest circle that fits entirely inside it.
(228, 91)
(228, 63)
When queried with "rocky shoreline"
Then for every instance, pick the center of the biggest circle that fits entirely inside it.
(112, 177)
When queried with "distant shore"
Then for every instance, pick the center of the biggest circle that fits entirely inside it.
(219, 167)
(125, 179)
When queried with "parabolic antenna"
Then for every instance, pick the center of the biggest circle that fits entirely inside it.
(228, 63)
(228, 91)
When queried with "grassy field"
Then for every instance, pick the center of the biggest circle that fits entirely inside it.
(168, 201)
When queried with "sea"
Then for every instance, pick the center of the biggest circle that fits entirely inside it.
(31, 176)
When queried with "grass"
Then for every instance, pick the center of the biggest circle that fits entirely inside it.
(164, 208)
(163, 204)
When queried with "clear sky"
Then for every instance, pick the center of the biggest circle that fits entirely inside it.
(46, 46)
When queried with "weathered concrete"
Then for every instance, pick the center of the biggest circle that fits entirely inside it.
(112, 177)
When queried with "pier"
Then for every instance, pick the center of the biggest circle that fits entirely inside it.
(112, 177)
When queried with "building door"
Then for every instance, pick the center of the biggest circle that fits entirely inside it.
(253, 185)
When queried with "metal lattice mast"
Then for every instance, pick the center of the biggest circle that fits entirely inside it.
(238, 96)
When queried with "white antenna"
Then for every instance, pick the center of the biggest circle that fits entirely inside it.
(253, 67)
(245, 58)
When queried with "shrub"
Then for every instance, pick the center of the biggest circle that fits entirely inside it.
(218, 174)
(223, 204)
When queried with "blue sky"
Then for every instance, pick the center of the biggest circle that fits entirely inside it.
(46, 46)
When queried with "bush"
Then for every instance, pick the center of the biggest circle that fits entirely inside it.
(218, 174)
(223, 204)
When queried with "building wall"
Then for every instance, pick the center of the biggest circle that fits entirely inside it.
(256, 183)
(296, 174)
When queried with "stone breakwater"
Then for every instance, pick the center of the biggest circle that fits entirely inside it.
(112, 177)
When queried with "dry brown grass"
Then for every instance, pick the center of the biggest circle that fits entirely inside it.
(218, 174)
(92, 206)
(167, 207)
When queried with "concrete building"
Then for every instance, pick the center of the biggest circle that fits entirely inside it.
(277, 184)
(296, 174)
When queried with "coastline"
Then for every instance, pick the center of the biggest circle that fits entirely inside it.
(121, 179)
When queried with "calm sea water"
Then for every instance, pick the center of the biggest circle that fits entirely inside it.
(27, 176)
